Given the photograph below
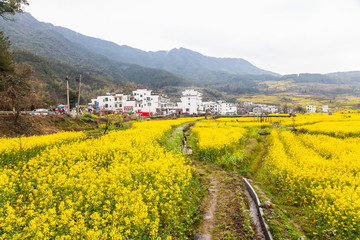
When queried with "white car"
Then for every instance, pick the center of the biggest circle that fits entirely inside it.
(40, 111)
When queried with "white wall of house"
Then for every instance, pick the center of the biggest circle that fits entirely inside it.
(227, 108)
(124, 103)
(149, 102)
(143, 100)
(191, 101)
(325, 108)
(311, 108)
(105, 102)
(210, 106)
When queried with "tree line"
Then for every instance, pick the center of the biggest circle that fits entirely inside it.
(15, 88)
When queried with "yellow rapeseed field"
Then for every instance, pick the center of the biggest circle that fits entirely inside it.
(320, 172)
(8, 145)
(218, 135)
(119, 186)
(14, 150)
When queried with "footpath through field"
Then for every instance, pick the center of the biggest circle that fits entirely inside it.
(223, 153)
(225, 208)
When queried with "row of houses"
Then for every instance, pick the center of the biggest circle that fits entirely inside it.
(144, 101)
(313, 109)
(250, 108)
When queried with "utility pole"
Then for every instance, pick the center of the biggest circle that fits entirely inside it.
(78, 104)
(67, 93)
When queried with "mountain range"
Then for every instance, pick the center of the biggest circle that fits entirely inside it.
(53, 51)
(47, 40)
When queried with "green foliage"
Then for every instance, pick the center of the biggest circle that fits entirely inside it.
(307, 77)
(51, 85)
(11, 6)
(6, 59)
(88, 116)
(55, 45)
(15, 90)
(172, 140)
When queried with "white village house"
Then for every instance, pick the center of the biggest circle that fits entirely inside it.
(311, 108)
(143, 100)
(191, 101)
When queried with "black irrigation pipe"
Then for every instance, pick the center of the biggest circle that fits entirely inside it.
(260, 213)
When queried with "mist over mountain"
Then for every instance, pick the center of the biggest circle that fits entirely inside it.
(66, 45)
(25, 32)
(182, 61)
(107, 65)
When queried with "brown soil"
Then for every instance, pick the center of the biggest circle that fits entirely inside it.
(38, 125)
(226, 209)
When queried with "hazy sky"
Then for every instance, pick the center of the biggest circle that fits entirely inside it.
(284, 36)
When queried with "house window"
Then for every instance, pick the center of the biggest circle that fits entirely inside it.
(115, 105)
(115, 99)
(120, 105)
(148, 98)
(188, 98)
(140, 95)
(149, 104)
(188, 103)
(106, 105)
(186, 110)
(120, 98)
(106, 99)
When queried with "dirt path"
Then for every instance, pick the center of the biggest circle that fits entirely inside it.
(210, 204)
(225, 209)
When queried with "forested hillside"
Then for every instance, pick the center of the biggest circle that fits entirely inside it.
(105, 66)
(25, 32)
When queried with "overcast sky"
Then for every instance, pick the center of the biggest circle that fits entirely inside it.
(284, 36)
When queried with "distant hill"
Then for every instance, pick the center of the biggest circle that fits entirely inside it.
(25, 32)
(182, 61)
(352, 76)
(51, 86)
(106, 66)
(61, 43)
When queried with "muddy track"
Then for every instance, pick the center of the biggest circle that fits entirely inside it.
(226, 210)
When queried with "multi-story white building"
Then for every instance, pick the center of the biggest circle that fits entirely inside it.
(168, 107)
(210, 107)
(272, 109)
(191, 101)
(325, 108)
(142, 100)
(311, 108)
(124, 103)
(117, 102)
(147, 101)
(104, 102)
(226, 108)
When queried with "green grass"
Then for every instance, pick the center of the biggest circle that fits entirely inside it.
(193, 194)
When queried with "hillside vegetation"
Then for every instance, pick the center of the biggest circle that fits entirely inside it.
(107, 67)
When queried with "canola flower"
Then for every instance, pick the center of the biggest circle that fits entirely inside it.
(312, 118)
(8, 145)
(238, 119)
(120, 186)
(338, 128)
(220, 142)
(320, 172)
(248, 119)
(218, 135)
(14, 149)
